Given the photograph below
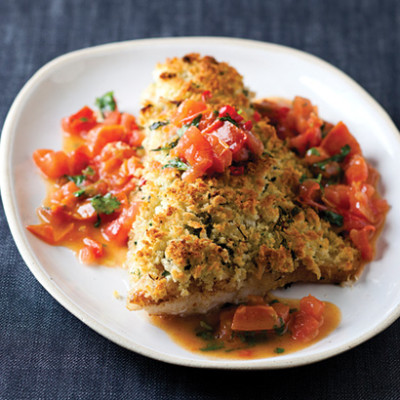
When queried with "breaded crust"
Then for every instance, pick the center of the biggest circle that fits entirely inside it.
(195, 246)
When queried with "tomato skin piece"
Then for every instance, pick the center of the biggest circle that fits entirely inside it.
(53, 164)
(312, 306)
(44, 232)
(356, 170)
(254, 318)
(254, 144)
(308, 194)
(118, 229)
(81, 122)
(282, 310)
(229, 111)
(337, 138)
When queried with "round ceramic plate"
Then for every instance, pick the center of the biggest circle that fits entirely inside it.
(67, 83)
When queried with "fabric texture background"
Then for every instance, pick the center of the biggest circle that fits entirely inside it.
(47, 353)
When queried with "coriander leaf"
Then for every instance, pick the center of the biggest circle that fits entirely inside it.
(83, 119)
(344, 151)
(204, 325)
(279, 350)
(106, 204)
(168, 146)
(79, 193)
(279, 330)
(229, 119)
(106, 103)
(98, 222)
(176, 163)
(77, 179)
(332, 217)
(313, 151)
(213, 346)
(158, 124)
(196, 121)
(166, 273)
(89, 171)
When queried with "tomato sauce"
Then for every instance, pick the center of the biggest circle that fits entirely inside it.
(188, 332)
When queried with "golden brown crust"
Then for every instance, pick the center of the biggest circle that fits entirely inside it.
(224, 234)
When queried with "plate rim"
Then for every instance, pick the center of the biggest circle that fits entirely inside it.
(11, 212)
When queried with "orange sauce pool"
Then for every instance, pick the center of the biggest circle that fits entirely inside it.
(182, 330)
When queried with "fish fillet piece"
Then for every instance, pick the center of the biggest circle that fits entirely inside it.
(197, 245)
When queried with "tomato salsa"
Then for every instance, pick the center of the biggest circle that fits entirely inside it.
(263, 327)
(88, 206)
(341, 184)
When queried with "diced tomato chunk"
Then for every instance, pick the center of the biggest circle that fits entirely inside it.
(197, 151)
(362, 240)
(282, 310)
(112, 118)
(233, 136)
(78, 160)
(65, 196)
(304, 327)
(187, 111)
(312, 306)
(337, 138)
(98, 138)
(91, 251)
(254, 318)
(254, 144)
(118, 229)
(53, 164)
(44, 232)
(357, 169)
(222, 155)
(229, 111)
(309, 193)
(82, 121)
(337, 196)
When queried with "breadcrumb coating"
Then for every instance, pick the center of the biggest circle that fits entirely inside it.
(196, 245)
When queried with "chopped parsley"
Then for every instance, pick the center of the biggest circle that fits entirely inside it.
(158, 124)
(313, 151)
(77, 179)
(279, 330)
(279, 350)
(205, 326)
(165, 273)
(106, 204)
(176, 163)
(344, 151)
(106, 103)
(89, 171)
(229, 119)
(332, 217)
(79, 193)
(83, 119)
(169, 146)
(98, 222)
(195, 122)
(213, 346)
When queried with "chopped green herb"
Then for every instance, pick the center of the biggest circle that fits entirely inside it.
(292, 310)
(332, 217)
(280, 329)
(205, 326)
(240, 111)
(313, 151)
(165, 273)
(98, 222)
(106, 103)
(196, 121)
(176, 163)
(213, 346)
(216, 113)
(79, 193)
(303, 178)
(273, 302)
(229, 119)
(158, 124)
(89, 171)
(77, 179)
(279, 350)
(168, 146)
(106, 204)
(83, 119)
(344, 151)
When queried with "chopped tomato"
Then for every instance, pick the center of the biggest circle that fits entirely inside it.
(229, 111)
(112, 118)
(225, 324)
(254, 318)
(310, 138)
(304, 327)
(81, 122)
(91, 251)
(85, 212)
(222, 155)
(65, 195)
(337, 196)
(98, 138)
(362, 240)
(357, 169)
(233, 136)
(254, 144)
(206, 95)
(309, 193)
(187, 111)
(118, 229)
(197, 151)
(53, 164)
(44, 232)
(337, 138)
(78, 160)
(282, 310)
(312, 306)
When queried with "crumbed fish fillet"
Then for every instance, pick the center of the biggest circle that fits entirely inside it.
(195, 246)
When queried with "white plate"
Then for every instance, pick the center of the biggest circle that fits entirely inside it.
(65, 84)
